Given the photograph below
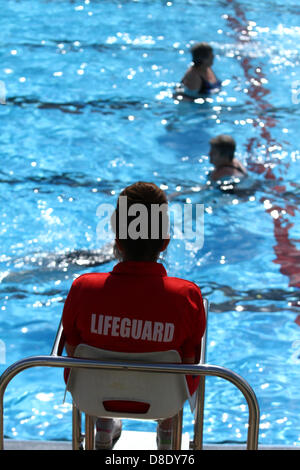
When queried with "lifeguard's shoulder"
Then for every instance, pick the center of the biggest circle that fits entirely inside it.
(181, 286)
(90, 279)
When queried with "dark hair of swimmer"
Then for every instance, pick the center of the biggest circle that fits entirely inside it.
(200, 52)
(225, 144)
(141, 248)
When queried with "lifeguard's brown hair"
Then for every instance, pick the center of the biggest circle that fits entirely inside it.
(141, 249)
(225, 144)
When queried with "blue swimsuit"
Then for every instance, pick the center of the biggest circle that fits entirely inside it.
(207, 87)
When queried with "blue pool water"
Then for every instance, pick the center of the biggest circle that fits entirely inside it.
(87, 108)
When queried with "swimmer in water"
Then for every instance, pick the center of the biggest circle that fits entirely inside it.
(221, 155)
(227, 171)
(199, 79)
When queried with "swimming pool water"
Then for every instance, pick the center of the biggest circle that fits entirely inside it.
(87, 108)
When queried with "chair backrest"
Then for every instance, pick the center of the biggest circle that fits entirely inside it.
(127, 394)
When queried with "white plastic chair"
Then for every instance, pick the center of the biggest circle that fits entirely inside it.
(99, 392)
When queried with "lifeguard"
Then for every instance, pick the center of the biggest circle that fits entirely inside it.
(136, 307)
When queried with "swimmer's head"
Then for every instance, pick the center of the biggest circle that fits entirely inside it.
(222, 148)
(140, 223)
(202, 53)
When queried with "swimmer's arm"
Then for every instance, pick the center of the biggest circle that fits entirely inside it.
(192, 80)
(243, 168)
(239, 165)
(178, 194)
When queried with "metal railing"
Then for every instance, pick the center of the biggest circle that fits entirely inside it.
(55, 359)
(201, 370)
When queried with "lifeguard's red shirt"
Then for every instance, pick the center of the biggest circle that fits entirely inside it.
(135, 308)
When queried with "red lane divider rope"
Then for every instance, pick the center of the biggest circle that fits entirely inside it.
(287, 254)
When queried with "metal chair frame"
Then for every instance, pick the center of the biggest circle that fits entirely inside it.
(55, 359)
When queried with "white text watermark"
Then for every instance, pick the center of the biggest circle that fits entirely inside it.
(2, 352)
(182, 221)
(296, 92)
(2, 92)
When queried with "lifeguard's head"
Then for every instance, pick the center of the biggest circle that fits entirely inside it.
(140, 222)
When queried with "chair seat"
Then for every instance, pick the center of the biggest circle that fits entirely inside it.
(127, 394)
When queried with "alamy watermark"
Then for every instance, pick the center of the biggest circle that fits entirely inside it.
(182, 221)
(2, 352)
(2, 92)
(296, 353)
(296, 92)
